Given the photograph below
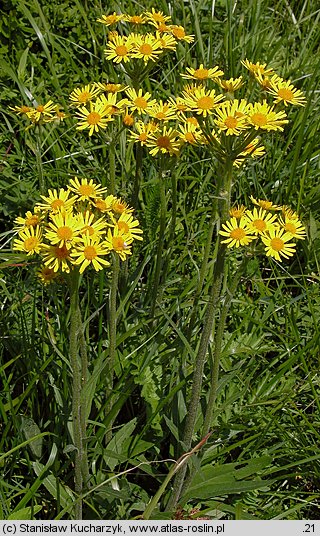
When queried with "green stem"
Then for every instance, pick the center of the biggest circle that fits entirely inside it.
(112, 169)
(42, 184)
(83, 416)
(174, 206)
(137, 176)
(76, 388)
(163, 213)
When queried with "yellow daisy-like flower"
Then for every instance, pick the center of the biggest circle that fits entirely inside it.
(128, 119)
(86, 190)
(111, 19)
(31, 219)
(231, 117)
(202, 73)
(267, 205)
(237, 233)
(140, 101)
(57, 201)
(253, 149)
(144, 132)
(146, 47)
(189, 133)
(63, 230)
(42, 111)
(179, 33)
(91, 227)
(202, 101)
(81, 95)
(119, 242)
(157, 16)
(110, 87)
(90, 252)
(56, 258)
(257, 68)
(262, 116)
(278, 245)
(119, 49)
(21, 110)
(46, 275)
(230, 85)
(163, 111)
(98, 117)
(121, 207)
(127, 225)
(165, 141)
(237, 211)
(113, 105)
(259, 220)
(285, 92)
(167, 42)
(289, 213)
(293, 227)
(29, 241)
(104, 205)
(135, 19)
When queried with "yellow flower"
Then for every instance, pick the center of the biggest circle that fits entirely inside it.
(165, 141)
(156, 16)
(128, 226)
(144, 132)
(267, 205)
(263, 116)
(119, 49)
(237, 233)
(119, 242)
(135, 19)
(110, 87)
(202, 73)
(230, 85)
(289, 213)
(98, 117)
(231, 117)
(30, 240)
(163, 111)
(56, 258)
(46, 275)
(237, 211)
(42, 111)
(91, 227)
(112, 105)
(253, 149)
(31, 219)
(86, 190)
(260, 221)
(128, 119)
(90, 252)
(63, 230)
(146, 47)
(293, 227)
(113, 18)
(120, 207)
(202, 101)
(277, 243)
(140, 101)
(179, 33)
(189, 133)
(285, 92)
(56, 201)
(104, 205)
(21, 110)
(167, 42)
(81, 95)
(257, 68)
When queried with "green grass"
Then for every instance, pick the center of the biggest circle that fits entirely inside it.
(262, 460)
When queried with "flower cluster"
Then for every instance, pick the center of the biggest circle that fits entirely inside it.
(277, 227)
(40, 113)
(77, 227)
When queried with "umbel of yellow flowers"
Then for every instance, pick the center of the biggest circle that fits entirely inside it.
(77, 227)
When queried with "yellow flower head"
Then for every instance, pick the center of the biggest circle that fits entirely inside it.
(29, 241)
(257, 68)
(293, 227)
(157, 16)
(260, 221)
(262, 116)
(63, 230)
(277, 243)
(140, 101)
(285, 92)
(202, 101)
(144, 132)
(111, 19)
(129, 226)
(120, 207)
(86, 190)
(230, 85)
(231, 117)
(104, 205)
(237, 211)
(42, 111)
(163, 111)
(119, 242)
(166, 41)
(90, 226)
(146, 47)
(31, 219)
(90, 252)
(179, 33)
(253, 149)
(202, 73)
(21, 110)
(189, 133)
(267, 205)
(82, 95)
(237, 233)
(56, 258)
(135, 19)
(97, 118)
(110, 87)
(56, 200)
(165, 141)
(119, 49)
(46, 275)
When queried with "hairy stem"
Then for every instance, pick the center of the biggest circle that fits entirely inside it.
(163, 213)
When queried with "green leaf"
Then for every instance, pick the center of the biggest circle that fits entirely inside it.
(116, 444)
(25, 513)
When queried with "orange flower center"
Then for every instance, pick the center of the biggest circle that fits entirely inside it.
(61, 253)
(128, 120)
(259, 119)
(202, 74)
(136, 19)
(118, 243)
(267, 205)
(143, 136)
(277, 244)
(88, 229)
(179, 33)
(140, 102)
(93, 118)
(205, 103)
(146, 49)
(290, 227)
(285, 94)
(157, 17)
(25, 109)
(160, 115)
(260, 225)
(192, 121)
(30, 243)
(112, 88)
(84, 96)
(119, 208)
(164, 141)
(57, 203)
(32, 221)
(86, 189)
(40, 108)
(121, 50)
(47, 274)
(90, 253)
(123, 226)
(237, 234)
(101, 205)
(230, 122)
(64, 232)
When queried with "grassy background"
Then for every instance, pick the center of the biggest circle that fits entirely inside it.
(267, 418)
